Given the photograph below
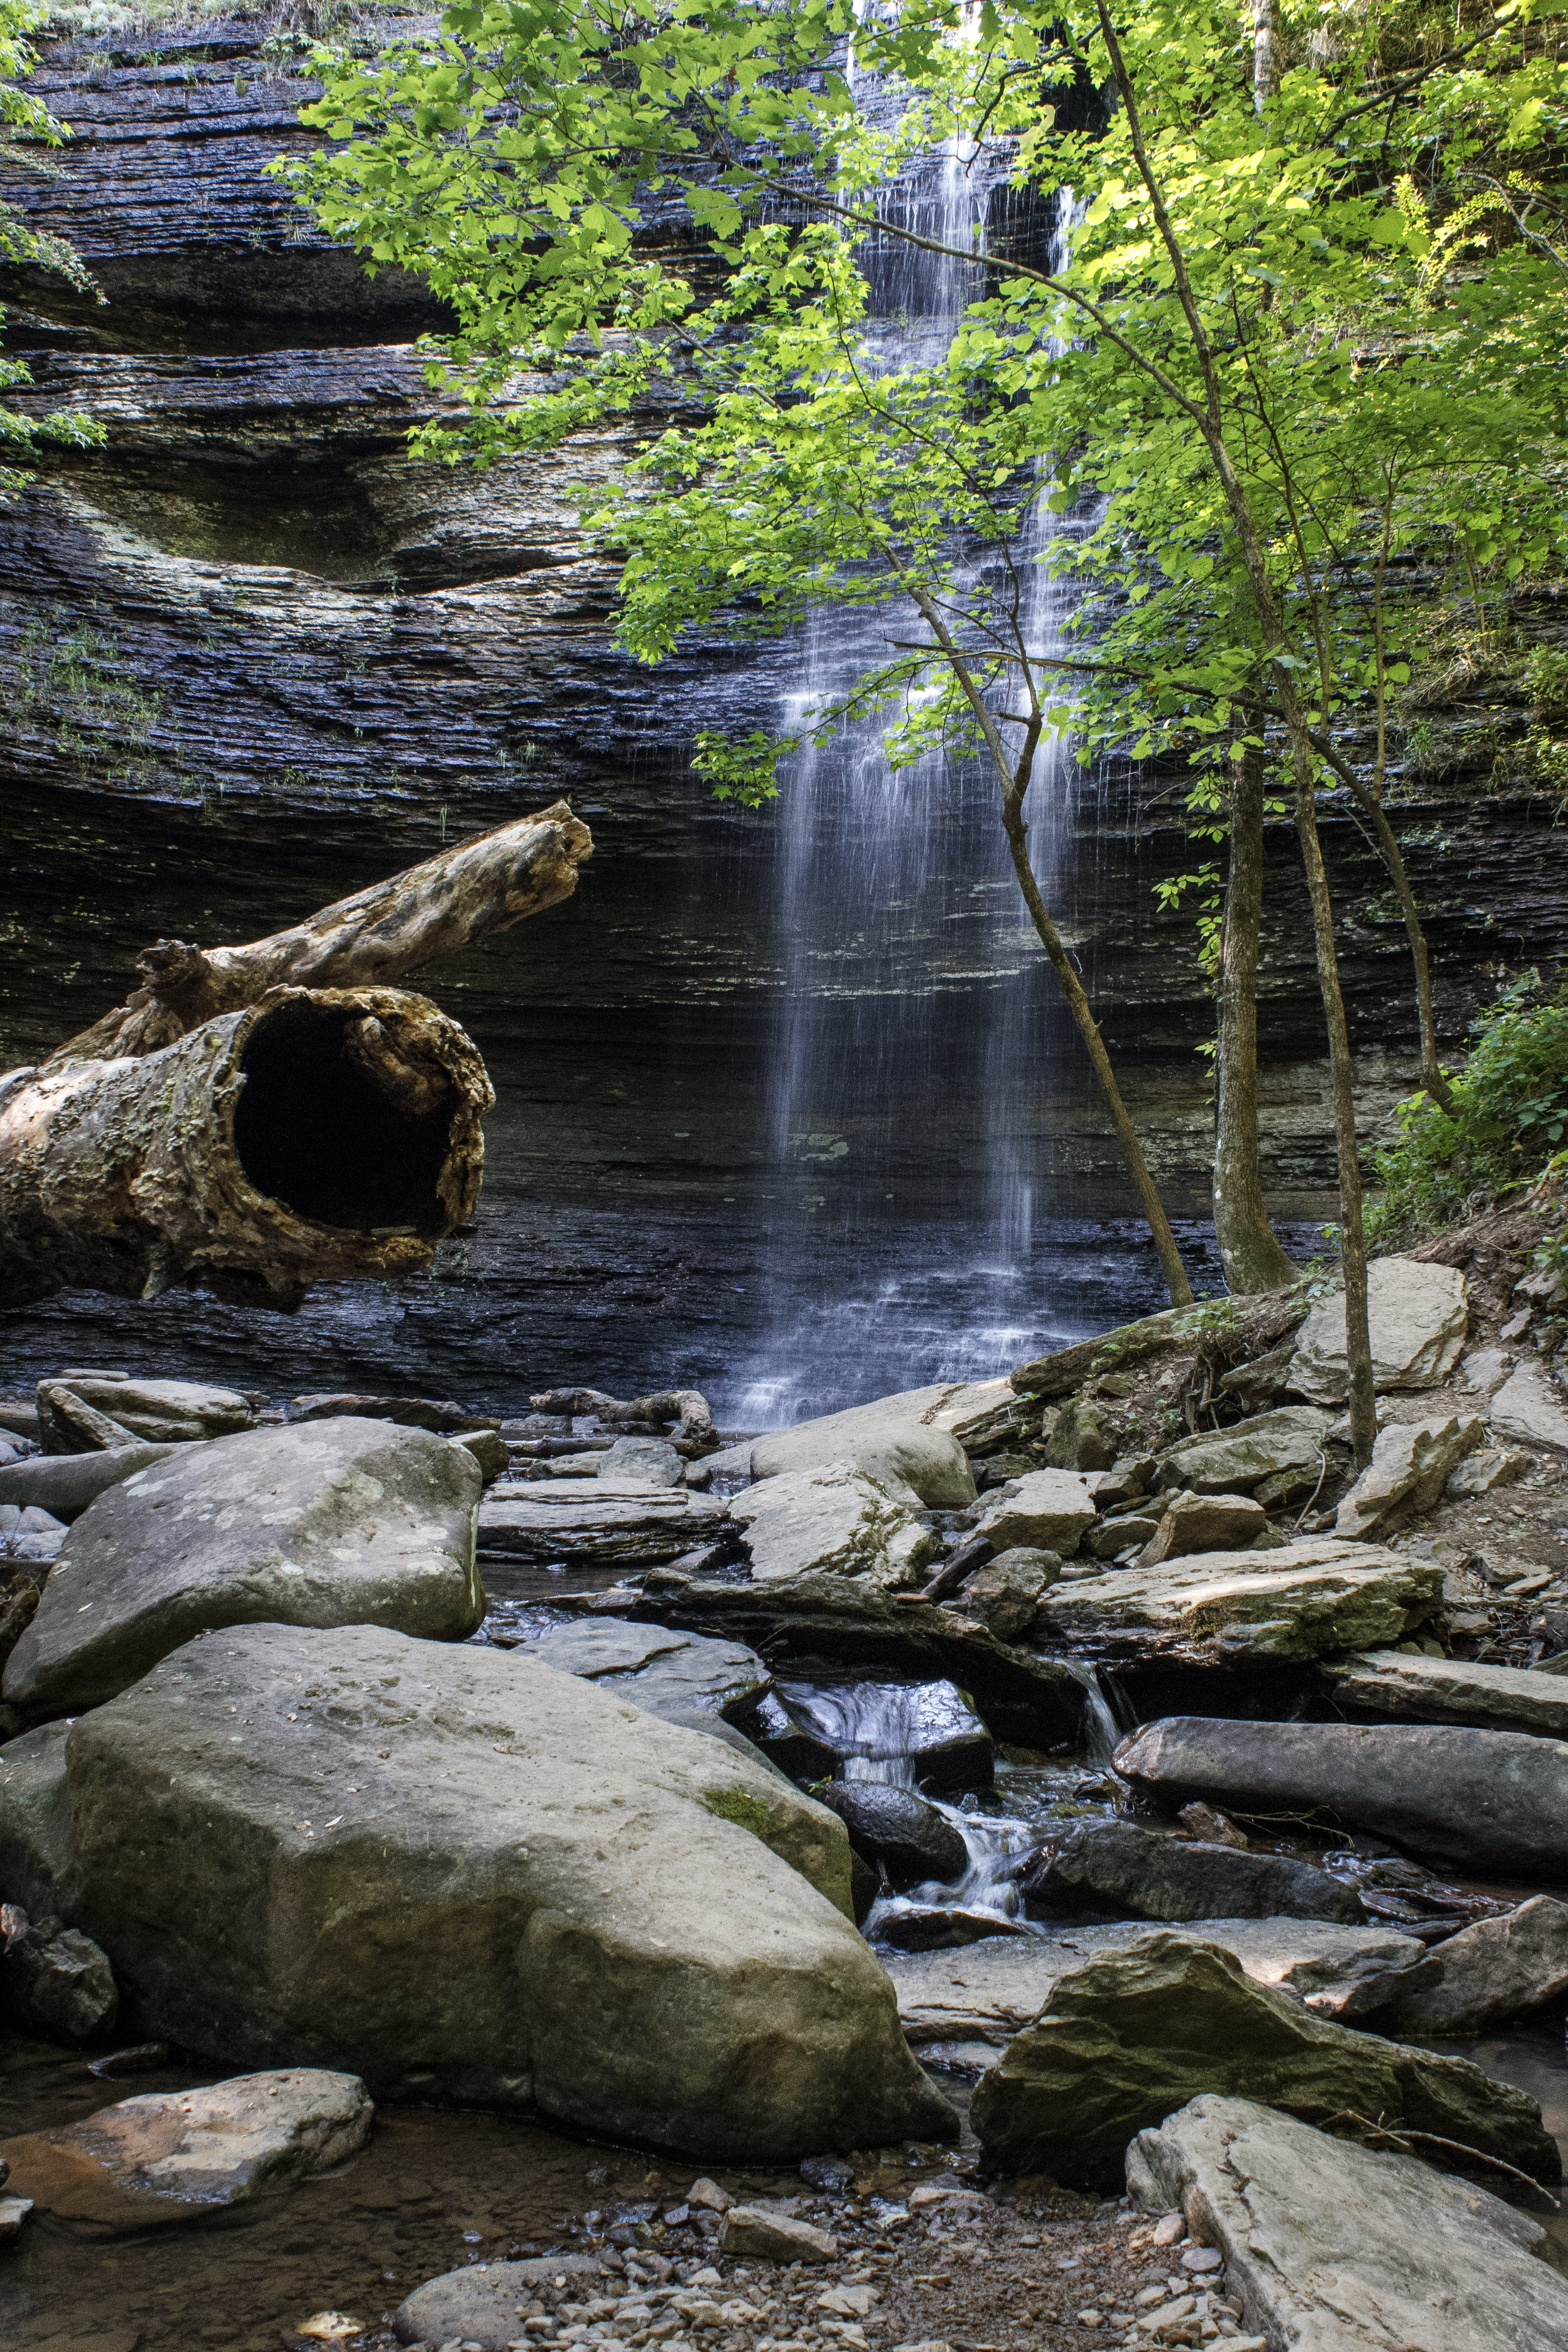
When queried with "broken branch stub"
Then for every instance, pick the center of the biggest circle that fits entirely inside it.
(318, 1135)
(379, 935)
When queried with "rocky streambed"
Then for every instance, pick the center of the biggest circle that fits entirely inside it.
(832, 1883)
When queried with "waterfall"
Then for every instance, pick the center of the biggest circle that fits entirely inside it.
(901, 1239)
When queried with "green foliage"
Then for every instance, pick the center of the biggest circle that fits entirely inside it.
(1510, 1117)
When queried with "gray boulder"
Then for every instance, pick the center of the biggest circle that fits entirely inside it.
(1489, 1971)
(591, 1525)
(164, 1412)
(1194, 1523)
(676, 1675)
(1416, 1317)
(55, 1981)
(1453, 1690)
(1484, 1472)
(836, 1520)
(1049, 1510)
(486, 2304)
(1409, 1468)
(1081, 1437)
(170, 2154)
(1131, 2035)
(899, 1830)
(1235, 1460)
(1334, 2248)
(1304, 1600)
(65, 1483)
(1002, 1594)
(333, 1523)
(641, 1461)
(36, 1867)
(1492, 1803)
(279, 1834)
(1136, 1874)
(28, 1533)
(908, 1437)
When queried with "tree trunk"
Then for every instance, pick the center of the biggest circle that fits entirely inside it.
(1251, 1255)
(231, 1128)
(1352, 1237)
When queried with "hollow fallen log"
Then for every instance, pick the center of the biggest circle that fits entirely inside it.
(260, 1117)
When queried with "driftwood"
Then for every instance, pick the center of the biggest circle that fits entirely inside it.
(260, 1117)
(693, 1434)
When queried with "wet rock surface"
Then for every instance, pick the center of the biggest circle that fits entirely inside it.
(338, 1522)
(1347, 2247)
(1131, 1872)
(899, 1830)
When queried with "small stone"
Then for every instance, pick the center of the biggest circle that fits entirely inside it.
(708, 2197)
(1167, 2229)
(14, 2211)
(768, 2236)
(1213, 1828)
(1202, 2258)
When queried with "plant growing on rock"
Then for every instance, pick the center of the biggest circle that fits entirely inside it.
(24, 117)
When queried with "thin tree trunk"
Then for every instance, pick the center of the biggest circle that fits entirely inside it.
(1013, 777)
(1352, 1237)
(1251, 1254)
(1265, 72)
(1082, 1012)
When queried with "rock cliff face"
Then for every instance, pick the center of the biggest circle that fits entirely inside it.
(251, 657)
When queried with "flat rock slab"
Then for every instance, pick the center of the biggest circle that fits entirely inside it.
(892, 1438)
(165, 1412)
(834, 1520)
(1451, 1690)
(594, 1526)
(1417, 1320)
(1304, 1600)
(1130, 2035)
(993, 1990)
(1341, 2248)
(172, 2154)
(1492, 1803)
(339, 1522)
(669, 1674)
(1530, 1407)
(283, 1837)
(484, 2305)
(1045, 1510)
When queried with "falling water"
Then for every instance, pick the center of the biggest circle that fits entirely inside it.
(917, 1012)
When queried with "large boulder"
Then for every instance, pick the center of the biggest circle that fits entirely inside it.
(559, 1522)
(65, 1483)
(1529, 1407)
(1130, 2035)
(1116, 1868)
(1002, 1595)
(1409, 1468)
(36, 1865)
(1334, 2248)
(990, 1991)
(336, 1523)
(1489, 1972)
(1492, 1803)
(1453, 1690)
(1304, 1600)
(465, 1875)
(887, 1439)
(838, 1520)
(170, 2155)
(1417, 1318)
(1235, 1460)
(1046, 1511)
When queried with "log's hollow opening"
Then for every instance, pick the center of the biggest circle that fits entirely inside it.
(314, 1131)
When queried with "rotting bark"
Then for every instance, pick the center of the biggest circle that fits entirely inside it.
(231, 1128)
(1249, 1251)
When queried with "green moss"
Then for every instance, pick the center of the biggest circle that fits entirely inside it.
(736, 1805)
